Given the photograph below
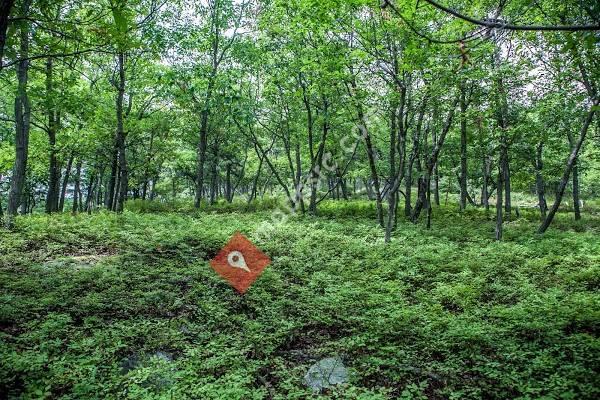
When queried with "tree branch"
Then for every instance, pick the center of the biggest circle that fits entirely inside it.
(511, 27)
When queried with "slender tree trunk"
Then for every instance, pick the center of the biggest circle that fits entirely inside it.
(408, 183)
(502, 117)
(369, 189)
(499, 198)
(153, 191)
(256, 178)
(343, 183)
(374, 175)
(116, 193)
(77, 190)
(216, 58)
(147, 167)
(22, 125)
(201, 154)
(371, 157)
(485, 196)
(89, 198)
(202, 143)
(576, 203)
(214, 179)
(298, 183)
(575, 182)
(393, 198)
(393, 135)
(228, 186)
(145, 188)
(415, 153)
(463, 147)
(432, 159)
(539, 181)
(274, 172)
(317, 160)
(436, 178)
(429, 209)
(65, 183)
(112, 182)
(121, 138)
(54, 170)
(507, 191)
(99, 184)
(568, 168)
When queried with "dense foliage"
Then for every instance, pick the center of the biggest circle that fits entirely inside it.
(116, 99)
(126, 306)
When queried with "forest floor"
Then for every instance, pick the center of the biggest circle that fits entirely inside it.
(127, 306)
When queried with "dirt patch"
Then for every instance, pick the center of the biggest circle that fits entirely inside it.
(77, 261)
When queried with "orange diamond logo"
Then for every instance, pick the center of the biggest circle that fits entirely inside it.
(240, 262)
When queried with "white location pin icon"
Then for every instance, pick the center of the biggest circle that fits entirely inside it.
(235, 259)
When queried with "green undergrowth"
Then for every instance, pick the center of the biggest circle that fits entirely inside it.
(127, 306)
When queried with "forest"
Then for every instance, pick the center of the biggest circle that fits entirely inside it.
(423, 176)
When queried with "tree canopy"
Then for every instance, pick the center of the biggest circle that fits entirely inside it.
(220, 99)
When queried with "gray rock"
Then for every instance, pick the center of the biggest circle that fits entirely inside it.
(163, 355)
(158, 380)
(130, 363)
(326, 373)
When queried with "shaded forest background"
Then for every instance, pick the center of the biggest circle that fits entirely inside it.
(404, 103)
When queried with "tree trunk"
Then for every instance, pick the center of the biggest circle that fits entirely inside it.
(432, 159)
(569, 167)
(201, 154)
(374, 175)
(202, 143)
(274, 172)
(99, 188)
(393, 197)
(393, 135)
(539, 181)
(343, 183)
(121, 137)
(414, 154)
(499, 197)
(486, 172)
(216, 58)
(77, 190)
(256, 178)
(409, 182)
(507, 191)
(317, 160)
(112, 182)
(65, 183)
(153, 190)
(214, 179)
(54, 170)
(370, 151)
(463, 148)
(22, 125)
(5, 7)
(228, 186)
(89, 198)
(147, 167)
(576, 204)
(298, 184)
(436, 177)
(575, 181)
(429, 209)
